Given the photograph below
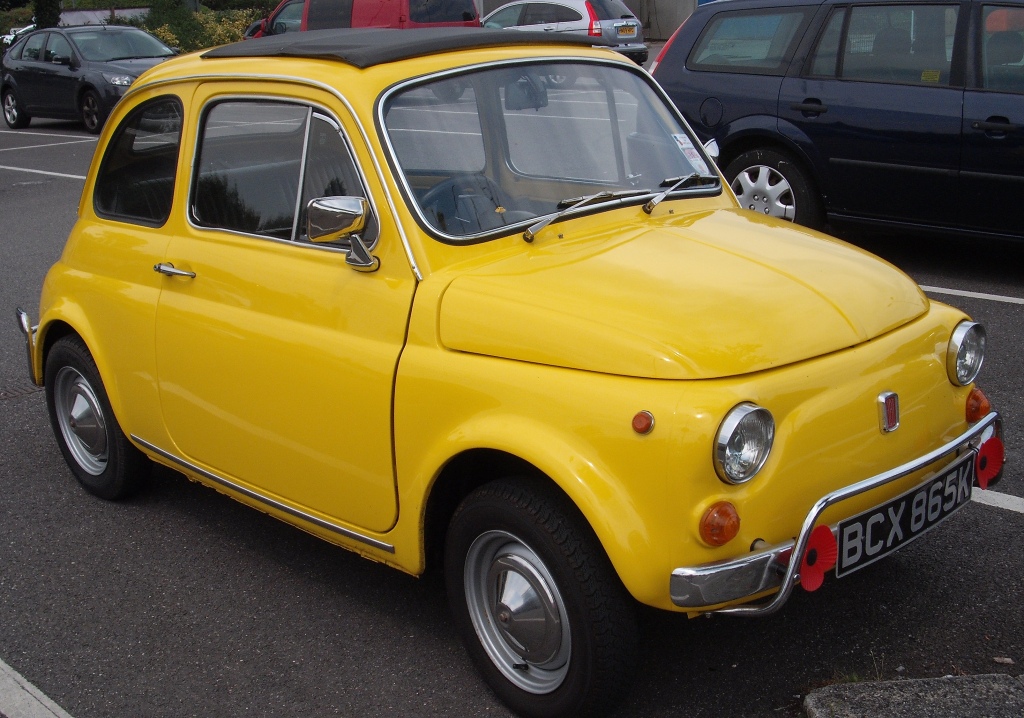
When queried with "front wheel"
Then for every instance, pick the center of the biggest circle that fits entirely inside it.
(94, 446)
(537, 603)
(92, 112)
(15, 117)
(772, 183)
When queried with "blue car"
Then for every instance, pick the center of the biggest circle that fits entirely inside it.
(900, 114)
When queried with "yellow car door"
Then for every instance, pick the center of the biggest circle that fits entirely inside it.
(276, 360)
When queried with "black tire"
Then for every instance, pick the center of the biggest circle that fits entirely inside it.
(519, 532)
(100, 456)
(14, 114)
(771, 182)
(91, 110)
(448, 91)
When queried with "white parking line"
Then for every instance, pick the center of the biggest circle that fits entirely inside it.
(44, 134)
(42, 172)
(36, 147)
(1002, 501)
(21, 699)
(975, 295)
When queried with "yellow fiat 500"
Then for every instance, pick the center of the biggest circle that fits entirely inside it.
(479, 300)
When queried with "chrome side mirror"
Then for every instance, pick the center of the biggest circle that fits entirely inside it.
(329, 219)
(711, 147)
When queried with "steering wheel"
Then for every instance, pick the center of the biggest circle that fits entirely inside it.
(467, 204)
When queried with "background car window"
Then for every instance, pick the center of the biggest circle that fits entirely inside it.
(136, 178)
(289, 19)
(247, 172)
(34, 47)
(324, 14)
(748, 42)
(437, 129)
(1003, 49)
(910, 44)
(506, 18)
(541, 13)
(331, 172)
(58, 46)
(441, 10)
(610, 9)
(826, 54)
(106, 45)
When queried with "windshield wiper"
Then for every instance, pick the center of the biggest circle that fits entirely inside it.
(568, 205)
(677, 183)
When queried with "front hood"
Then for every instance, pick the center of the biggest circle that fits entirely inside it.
(134, 66)
(717, 294)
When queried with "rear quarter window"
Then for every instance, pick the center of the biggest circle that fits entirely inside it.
(758, 43)
(135, 182)
(327, 14)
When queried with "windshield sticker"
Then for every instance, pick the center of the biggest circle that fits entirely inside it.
(690, 152)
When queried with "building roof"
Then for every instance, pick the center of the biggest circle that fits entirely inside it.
(365, 47)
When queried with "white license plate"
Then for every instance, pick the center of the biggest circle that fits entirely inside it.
(877, 532)
(627, 31)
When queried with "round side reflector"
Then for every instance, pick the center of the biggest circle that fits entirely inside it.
(719, 524)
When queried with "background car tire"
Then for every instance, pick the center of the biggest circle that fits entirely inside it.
(91, 110)
(520, 533)
(15, 117)
(771, 182)
(93, 445)
(563, 80)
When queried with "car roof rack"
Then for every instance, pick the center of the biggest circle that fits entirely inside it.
(365, 47)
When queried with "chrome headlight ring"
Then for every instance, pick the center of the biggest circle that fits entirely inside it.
(965, 353)
(743, 442)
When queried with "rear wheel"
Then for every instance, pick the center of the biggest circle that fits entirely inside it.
(15, 117)
(92, 113)
(537, 603)
(97, 451)
(772, 183)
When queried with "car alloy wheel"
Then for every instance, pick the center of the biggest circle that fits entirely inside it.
(92, 115)
(13, 114)
(772, 183)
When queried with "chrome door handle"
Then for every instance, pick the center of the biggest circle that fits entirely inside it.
(168, 269)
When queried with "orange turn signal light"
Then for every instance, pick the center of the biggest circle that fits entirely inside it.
(719, 524)
(978, 405)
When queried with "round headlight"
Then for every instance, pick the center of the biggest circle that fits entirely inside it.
(743, 442)
(965, 353)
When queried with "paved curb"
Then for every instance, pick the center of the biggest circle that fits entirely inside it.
(986, 696)
(21, 699)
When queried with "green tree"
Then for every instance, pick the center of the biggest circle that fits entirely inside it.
(47, 12)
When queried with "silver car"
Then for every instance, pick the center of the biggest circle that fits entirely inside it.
(606, 19)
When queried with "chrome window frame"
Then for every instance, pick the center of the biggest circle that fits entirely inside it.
(312, 109)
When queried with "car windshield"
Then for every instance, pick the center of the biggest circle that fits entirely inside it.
(104, 45)
(505, 145)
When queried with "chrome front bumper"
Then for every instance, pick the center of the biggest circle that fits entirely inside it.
(25, 323)
(777, 567)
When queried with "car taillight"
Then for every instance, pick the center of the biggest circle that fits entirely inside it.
(654, 65)
(595, 23)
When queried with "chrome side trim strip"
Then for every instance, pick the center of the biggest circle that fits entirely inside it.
(25, 324)
(347, 533)
(735, 579)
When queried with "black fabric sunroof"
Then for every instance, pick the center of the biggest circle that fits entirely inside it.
(364, 47)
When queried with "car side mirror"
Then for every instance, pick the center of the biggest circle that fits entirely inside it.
(529, 91)
(711, 147)
(61, 60)
(329, 219)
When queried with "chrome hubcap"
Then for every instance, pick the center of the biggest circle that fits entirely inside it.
(518, 612)
(90, 111)
(81, 420)
(764, 190)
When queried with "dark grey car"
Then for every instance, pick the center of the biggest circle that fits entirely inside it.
(75, 72)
